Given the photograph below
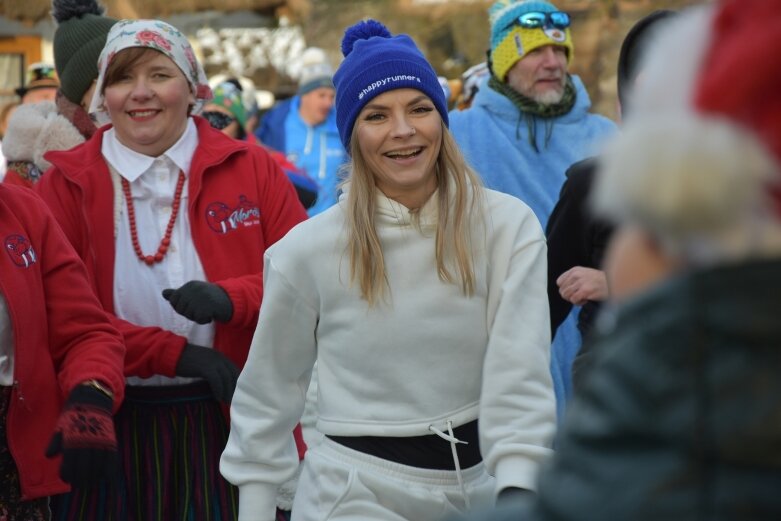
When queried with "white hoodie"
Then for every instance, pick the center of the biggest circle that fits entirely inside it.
(426, 356)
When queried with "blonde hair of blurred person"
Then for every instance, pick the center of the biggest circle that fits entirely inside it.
(705, 200)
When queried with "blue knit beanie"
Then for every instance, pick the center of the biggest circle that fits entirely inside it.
(375, 61)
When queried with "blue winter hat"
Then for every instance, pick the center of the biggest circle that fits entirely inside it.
(375, 61)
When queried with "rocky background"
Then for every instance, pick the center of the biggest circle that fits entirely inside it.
(262, 40)
(454, 33)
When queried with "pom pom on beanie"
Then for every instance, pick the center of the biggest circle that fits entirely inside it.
(79, 38)
(363, 31)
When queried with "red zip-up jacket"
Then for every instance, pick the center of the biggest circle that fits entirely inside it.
(239, 203)
(61, 335)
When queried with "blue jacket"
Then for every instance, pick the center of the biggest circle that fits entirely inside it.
(494, 137)
(317, 150)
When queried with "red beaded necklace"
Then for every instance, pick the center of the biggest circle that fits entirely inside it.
(166, 241)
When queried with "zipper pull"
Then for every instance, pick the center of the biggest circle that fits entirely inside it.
(20, 396)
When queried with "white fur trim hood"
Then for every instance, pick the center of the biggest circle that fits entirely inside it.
(696, 181)
(35, 129)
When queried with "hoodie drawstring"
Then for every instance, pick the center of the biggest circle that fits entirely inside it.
(450, 437)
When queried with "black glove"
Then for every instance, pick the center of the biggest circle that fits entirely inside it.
(201, 302)
(212, 366)
(85, 437)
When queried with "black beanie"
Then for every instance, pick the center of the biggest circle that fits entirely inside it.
(633, 49)
(79, 38)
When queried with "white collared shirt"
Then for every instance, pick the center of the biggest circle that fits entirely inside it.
(138, 287)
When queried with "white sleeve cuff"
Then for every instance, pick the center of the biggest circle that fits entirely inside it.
(516, 471)
(257, 502)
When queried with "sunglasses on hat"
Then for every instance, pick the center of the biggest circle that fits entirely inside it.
(218, 120)
(40, 71)
(537, 19)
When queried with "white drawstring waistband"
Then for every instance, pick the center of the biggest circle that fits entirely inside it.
(450, 437)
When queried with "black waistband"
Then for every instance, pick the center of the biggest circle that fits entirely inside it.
(193, 391)
(427, 452)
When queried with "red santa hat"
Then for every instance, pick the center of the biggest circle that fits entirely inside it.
(698, 163)
(741, 77)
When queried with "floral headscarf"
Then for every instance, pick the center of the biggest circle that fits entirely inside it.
(161, 37)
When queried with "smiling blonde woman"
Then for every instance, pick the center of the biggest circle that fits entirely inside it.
(422, 298)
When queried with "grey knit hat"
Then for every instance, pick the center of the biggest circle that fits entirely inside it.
(79, 38)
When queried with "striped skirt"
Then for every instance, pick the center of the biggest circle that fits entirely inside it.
(170, 440)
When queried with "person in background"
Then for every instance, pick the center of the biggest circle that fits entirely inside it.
(250, 100)
(60, 365)
(172, 219)
(576, 239)
(407, 293)
(529, 123)
(60, 125)
(41, 84)
(472, 80)
(226, 112)
(678, 419)
(304, 128)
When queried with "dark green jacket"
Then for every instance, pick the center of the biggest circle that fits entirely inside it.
(680, 418)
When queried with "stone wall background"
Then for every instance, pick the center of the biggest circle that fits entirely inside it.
(454, 33)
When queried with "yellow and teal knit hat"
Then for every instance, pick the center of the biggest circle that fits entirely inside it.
(510, 42)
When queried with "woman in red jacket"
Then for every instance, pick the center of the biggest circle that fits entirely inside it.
(55, 342)
(172, 219)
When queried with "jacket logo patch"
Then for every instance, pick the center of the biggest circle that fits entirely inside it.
(223, 219)
(20, 250)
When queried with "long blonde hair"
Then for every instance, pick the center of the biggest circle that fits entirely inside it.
(460, 202)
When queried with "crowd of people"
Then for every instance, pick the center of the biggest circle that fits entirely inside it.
(372, 304)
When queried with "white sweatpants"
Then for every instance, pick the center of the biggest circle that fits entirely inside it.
(341, 484)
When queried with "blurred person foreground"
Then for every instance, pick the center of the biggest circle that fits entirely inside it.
(678, 418)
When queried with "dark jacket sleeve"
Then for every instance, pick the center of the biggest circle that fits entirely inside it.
(568, 235)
